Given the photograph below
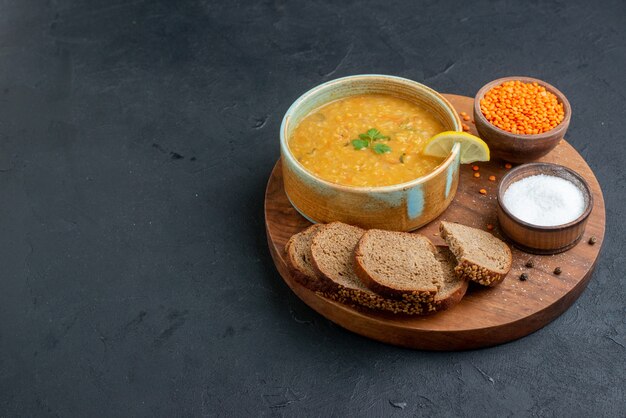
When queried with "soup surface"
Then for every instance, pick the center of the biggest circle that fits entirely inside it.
(366, 140)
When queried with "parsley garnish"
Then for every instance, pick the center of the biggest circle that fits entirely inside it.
(373, 134)
(366, 139)
(381, 148)
(360, 143)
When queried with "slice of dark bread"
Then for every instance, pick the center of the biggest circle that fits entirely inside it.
(399, 265)
(480, 256)
(332, 253)
(454, 286)
(298, 251)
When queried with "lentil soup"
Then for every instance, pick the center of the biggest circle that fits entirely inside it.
(366, 140)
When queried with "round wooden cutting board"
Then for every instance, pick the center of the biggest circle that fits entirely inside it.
(485, 316)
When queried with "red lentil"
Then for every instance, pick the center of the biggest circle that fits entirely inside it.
(522, 108)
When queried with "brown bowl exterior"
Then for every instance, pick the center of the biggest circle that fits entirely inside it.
(516, 147)
(540, 241)
(543, 239)
(404, 209)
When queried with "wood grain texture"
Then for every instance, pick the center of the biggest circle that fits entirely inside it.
(485, 316)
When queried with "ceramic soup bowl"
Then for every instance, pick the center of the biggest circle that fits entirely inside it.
(399, 207)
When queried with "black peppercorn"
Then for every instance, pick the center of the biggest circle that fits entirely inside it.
(523, 277)
(557, 270)
(530, 264)
(592, 240)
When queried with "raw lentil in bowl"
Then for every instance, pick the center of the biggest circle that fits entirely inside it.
(521, 118)
(522, 108)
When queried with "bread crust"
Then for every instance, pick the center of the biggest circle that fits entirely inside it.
(432, 304)
(479, 274)
(310, 282)
(369, 300)
(452, 299)
(463, 284)
(327, 285)
(469, 270)
(369, 279)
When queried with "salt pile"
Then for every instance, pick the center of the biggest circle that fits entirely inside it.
(544, 200)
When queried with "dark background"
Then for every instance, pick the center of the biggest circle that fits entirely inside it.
(136, 139)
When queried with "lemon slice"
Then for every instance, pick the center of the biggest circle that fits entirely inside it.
(472, 147)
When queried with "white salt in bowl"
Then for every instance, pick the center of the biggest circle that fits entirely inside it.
(540, 239)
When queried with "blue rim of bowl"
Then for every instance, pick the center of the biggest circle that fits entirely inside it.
(456, 149)
(575, 222)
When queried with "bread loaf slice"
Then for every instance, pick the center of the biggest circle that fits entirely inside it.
(480, 256)
(399, 265)
(298, 251)
(454, 286)
(332, 253)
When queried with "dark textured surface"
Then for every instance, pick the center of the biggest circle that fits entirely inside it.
(136, 138)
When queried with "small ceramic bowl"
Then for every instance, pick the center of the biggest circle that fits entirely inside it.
(543, 239)
(400, 207)
(520, 148)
